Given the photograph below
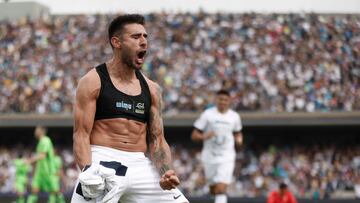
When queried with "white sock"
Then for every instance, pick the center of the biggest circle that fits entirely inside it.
(221, 198)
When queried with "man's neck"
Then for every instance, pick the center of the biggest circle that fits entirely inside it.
(119, 70)
(222, 111)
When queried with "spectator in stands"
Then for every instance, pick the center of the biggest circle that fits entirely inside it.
(336, 167)
(282, 195)
(275, 63)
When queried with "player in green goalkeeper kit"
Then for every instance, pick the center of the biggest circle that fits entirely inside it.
(57, 179)
(45, 171)
(21, 177)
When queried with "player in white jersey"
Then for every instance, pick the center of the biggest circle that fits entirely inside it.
(219, 128)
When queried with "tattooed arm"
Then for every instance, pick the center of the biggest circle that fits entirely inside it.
(159, 149)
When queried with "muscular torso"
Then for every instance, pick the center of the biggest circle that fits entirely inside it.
(119, 133)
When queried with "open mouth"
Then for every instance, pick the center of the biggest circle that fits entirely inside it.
(141, 54)
(140, 57)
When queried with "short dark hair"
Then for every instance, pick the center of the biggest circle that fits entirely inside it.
(282, 186)
(119, 22)
(20, 154)
(223, 92)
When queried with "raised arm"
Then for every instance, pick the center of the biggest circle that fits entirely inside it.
(159, 149)
(84, 113)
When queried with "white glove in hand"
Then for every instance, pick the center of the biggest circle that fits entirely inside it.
(92, 183)
(112, 186)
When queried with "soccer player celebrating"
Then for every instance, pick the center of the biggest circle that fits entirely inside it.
(118, 120)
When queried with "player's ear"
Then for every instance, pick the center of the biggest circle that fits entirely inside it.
(115, 41)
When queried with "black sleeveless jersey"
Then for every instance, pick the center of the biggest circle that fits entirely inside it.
(112, 103)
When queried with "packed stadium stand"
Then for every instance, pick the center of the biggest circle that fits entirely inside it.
(271, 63)
(313, 171)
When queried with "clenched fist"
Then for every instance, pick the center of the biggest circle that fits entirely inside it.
(169, 180)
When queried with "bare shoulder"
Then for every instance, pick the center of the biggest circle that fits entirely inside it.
(89, 83)
(155, 89)
(90, 77)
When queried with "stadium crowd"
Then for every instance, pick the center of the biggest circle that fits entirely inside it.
(274, 63)
(310, 171)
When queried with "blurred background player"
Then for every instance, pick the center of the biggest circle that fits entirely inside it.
(21, 177)
(58, 177)
(43, 178)
(217, 127)
(283, 195)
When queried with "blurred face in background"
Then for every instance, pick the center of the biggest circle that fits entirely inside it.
(39, 131)
(222, 102)
(132, 44)
(282, 189)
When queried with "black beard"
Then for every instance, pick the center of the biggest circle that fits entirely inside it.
(127, 59)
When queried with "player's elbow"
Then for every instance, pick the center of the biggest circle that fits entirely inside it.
(195, 136)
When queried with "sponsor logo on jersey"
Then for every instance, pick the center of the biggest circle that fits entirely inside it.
(222, 122)
(140, 108)
(123, 105)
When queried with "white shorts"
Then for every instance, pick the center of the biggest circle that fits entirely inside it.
(219, 172)
(141, 180)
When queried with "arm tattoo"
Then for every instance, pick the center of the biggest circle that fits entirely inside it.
(159, 149)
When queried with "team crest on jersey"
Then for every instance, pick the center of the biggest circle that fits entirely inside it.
(140, 108)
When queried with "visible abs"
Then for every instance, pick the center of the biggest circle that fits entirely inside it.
(119, 133)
